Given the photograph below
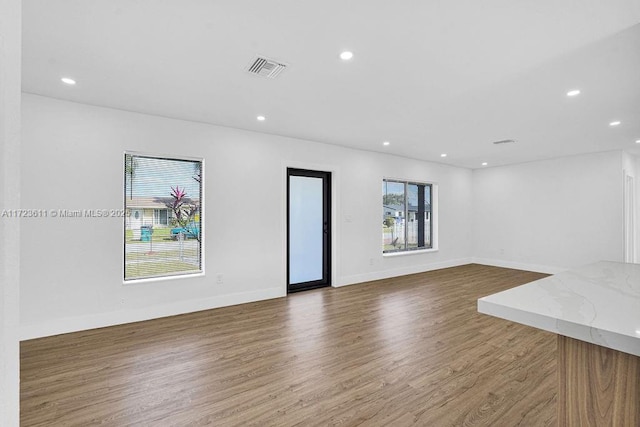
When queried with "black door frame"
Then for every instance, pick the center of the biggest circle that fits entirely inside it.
(326, 208)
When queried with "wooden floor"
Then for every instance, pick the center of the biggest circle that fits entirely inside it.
(396, 352)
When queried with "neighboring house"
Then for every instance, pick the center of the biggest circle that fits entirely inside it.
(394, 236)
(397, 211)
(149, 211)
(413, 212)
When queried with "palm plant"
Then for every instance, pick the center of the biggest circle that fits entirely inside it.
(184, 210)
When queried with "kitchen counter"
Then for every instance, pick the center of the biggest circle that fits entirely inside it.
(598, 303)
(595, 310)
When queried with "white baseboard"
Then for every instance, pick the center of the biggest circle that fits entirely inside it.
(101, 320)
(519, 265)
(386, 274)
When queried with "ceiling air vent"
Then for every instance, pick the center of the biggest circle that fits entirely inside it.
(266, 67)
(504, 141)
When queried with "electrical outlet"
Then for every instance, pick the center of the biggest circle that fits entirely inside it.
(371, 261)
(219, 279)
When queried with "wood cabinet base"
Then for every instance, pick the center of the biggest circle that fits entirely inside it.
(598, 386)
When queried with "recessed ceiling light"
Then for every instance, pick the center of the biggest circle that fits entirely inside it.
(637, 141)
(68, 81)
(484, 163)
(346, 55)
(261, 118)
(386, 143)
(573, 92)
(443, 155)
(615, 123)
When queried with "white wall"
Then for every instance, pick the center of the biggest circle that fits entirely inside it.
(549, 215)
(10, 34)
(546, 216)
(71, 268)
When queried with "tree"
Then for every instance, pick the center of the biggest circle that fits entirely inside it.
(197, 169)
(390, 223)
(184, 209)
(130, 166)
(393, 199)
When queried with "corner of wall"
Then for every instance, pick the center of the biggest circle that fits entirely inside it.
(10, 125)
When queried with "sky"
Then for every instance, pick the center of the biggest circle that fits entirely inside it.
(392, 187)
(154, 177)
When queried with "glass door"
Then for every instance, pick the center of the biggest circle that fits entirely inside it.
(308, 229)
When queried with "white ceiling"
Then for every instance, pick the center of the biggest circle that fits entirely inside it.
(430, 76)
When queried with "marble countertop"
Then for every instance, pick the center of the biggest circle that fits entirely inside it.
(598, 303)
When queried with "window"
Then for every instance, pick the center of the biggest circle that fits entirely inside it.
(407, 222)
(163, 216)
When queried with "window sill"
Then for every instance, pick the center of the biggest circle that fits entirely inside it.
(162, 278)
(416, 252)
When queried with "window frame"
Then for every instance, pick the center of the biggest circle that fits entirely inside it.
(127, 211)
(432, 218)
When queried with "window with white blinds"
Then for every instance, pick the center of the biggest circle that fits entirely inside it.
(164, 216)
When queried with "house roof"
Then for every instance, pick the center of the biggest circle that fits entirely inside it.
(152, 202)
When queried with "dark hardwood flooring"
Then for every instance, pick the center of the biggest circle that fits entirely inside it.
(397, 352)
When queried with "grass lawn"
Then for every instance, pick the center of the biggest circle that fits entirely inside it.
(155, 257)
(151, 269)
(158, 235)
